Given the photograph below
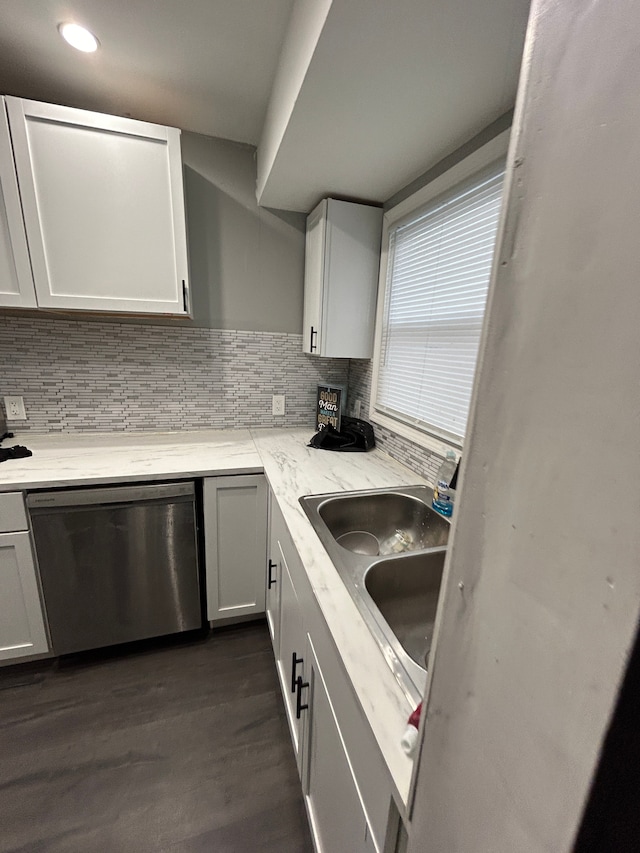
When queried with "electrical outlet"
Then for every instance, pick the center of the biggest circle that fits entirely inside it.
(14, 408)
(277, 404)
(357, 408)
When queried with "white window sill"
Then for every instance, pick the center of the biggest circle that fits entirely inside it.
(422, 439)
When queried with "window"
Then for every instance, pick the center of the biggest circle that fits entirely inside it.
(435, 285)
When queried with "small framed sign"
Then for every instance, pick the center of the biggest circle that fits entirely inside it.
(330, 403)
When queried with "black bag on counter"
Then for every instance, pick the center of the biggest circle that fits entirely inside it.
(355, 435)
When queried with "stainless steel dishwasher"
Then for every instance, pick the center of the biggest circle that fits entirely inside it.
(117, 564)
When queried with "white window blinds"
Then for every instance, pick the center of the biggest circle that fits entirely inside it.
(438, 271)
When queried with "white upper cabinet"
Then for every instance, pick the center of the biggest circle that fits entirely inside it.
(341, 279)
(16, 282)
(103, 206)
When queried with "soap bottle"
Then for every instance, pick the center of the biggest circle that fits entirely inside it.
(442, 502)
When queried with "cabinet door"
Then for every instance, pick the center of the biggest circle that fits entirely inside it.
(22, 630)
(341, 279)
(273, 576)
(104, 210)
(235, 535)
(290, 661)
(313, 280)
(16, 282)
(352, 262)
(335, 809)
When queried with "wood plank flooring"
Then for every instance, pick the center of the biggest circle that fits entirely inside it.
(170, 747)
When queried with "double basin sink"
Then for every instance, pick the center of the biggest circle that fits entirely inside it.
(389, 547)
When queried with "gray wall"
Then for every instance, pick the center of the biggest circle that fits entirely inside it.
(530, 651)
(486, 135)
(246, 262)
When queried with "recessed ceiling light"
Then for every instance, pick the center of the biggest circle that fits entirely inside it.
(78, 37)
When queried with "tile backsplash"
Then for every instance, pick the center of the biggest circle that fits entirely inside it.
(424, 462)
(86, 375)
(96, 375)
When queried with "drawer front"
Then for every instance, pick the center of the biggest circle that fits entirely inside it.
(13, 515)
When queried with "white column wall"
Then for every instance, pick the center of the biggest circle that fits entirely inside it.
(530, 652)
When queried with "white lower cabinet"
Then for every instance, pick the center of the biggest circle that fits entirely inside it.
(347, 788)
(235, 525)
(334, 806)
(290, 657)
(272, 590)
(22, 627)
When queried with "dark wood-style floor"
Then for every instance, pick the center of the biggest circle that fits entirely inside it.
(171, 747)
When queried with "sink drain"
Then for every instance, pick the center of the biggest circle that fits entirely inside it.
(360, 542)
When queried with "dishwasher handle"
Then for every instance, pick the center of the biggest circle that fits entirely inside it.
(110, 495)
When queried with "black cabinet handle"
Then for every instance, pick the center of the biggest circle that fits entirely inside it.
(270, 580)
(295, 660)
(300, 686)
(312, 346)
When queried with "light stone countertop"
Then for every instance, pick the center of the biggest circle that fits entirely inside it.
(90, 458)
(293, 470)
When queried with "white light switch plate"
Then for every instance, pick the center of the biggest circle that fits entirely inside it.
(14, 407)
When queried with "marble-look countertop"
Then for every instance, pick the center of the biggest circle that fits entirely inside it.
(89, 458)
(293, 470)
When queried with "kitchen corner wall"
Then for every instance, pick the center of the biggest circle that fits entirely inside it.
(158, 373)
(423, 462)
(87, 375)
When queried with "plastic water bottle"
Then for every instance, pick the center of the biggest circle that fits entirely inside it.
(442, 502)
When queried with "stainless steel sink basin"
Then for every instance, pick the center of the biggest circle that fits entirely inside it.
(405, 590)
(396, 520)
(389, 547)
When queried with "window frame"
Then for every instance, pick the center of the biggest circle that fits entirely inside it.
(462, 171)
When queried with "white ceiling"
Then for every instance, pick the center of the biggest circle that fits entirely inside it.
(201, 65)
(386, 89)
